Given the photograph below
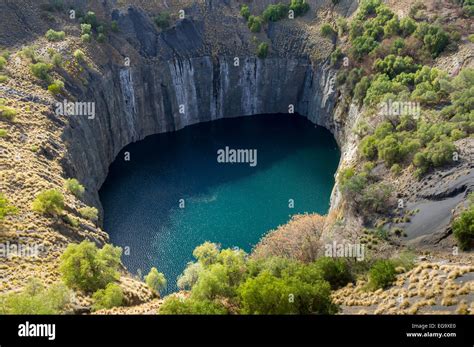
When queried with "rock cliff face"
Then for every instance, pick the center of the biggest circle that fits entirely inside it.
(167, 92)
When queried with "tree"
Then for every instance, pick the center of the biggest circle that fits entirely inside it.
(49, 202)
(206, 253)
(245, 12)
(155, 280)
(255, 24)
(334, 271)
(190, 275)
(85, 267)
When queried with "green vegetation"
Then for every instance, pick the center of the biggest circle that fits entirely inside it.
(382, 274)
(111, 296)
(274, 13)
(328, 31)
(3, 133)
(5, 207)
(35, 299)
(79, 55)
(91, 19)
(56, 87)
(41, 71)
(114, 26)
(300, 7)
(90, 213)
(245, 12)
(101, 38)
(262, 50)
(57, 60)
(163, 20)
(336, 56)
(55, 36)
(255, 24)
(3, 78)
(87, 268)
(7, 113)
(220, 278)
(86, 38)
(434, 38)
(155, 280)
(49, 202)
(74, 187)
(463, 226)
(3, 62)
(86, 28)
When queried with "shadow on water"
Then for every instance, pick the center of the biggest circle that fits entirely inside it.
(232, 204)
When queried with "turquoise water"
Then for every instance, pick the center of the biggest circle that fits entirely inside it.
(230, 204)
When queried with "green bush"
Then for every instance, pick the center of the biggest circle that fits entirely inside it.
(268, 294)
(336, 56)
(114, 26)
(367, 8)
(174, 305)
(155, 280)
(73, 185)
(56, 87)
(392, 27)
(57, 60)
(3, 133)
(245, 12)
(300, 7)
(360, 90)
(407, 26)
(86, 38)
(86, 28)
(90, 18)
(3, 62)
(3, 78)
(41, 71)
(163, 20)
(90, 213)
(363, 45)
(49, 202)
(5, 207)
(79, 55)
(111, 296)
(207, 253)
(434, 38)
(35, 299)
(101, 38)
(274, 13)
(85, 267)
(190, 276)
(327, 31)
(334, 271)
(375, 198)
(7, 113)
(382, 274)
(255, 24)
(393, 65)
(463, 229)
(262, 50)
(55, 36)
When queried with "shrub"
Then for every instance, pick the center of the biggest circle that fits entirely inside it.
(73, 185)
(35, 299)
(55, 36)
(300, 7)
(268, 294)
(86, 38)
(392, 27)
(180, 306)
(29, 52)
(3, 78)
(375, 198)
(393, 65)
(90, 213)
(155, 280)
(85, 267)
(79, 55)
(5, 207)
(206, 254)
(255, 24)
(101, 38)
(49, 202)
(275, 13)
(163, 20)
(114, 26)
(86, 28)
(463, 229)
(334, 271)
(41, 70)
(262, 50)
(7, 113)
(336, 56)
(382, 274)
(245, 12)
(363, 45)
(327, 30)
(3, 62)
(3, 133)
(111, 296)
(368, 8)
(360, 90)
(90, 18)
(396, 169)
(471, 38)
(57, 60)
(434, 38)
(56, 87)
